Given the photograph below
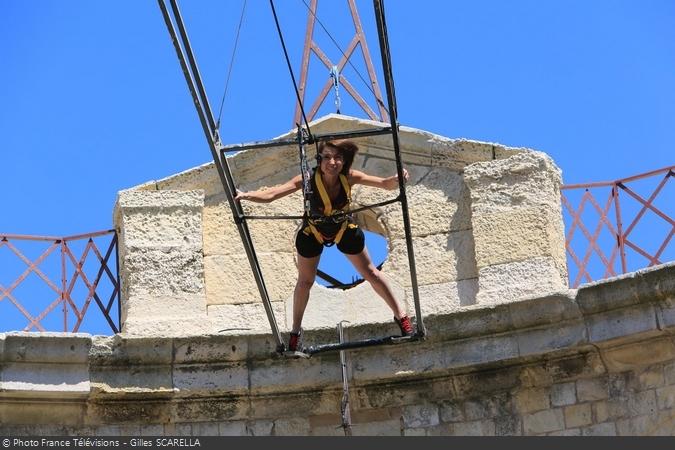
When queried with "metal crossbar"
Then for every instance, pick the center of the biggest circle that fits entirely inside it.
(612, 215)
(71, 273)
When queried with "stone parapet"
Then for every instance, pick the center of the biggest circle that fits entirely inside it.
(597, 361)
(517, 227)
(161, 262)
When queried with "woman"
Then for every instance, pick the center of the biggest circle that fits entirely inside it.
(330, 223)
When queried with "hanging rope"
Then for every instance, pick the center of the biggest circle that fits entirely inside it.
(229, 70)
(290, 70)
(365, 83)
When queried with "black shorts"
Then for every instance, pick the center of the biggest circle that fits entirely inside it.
(353, 241)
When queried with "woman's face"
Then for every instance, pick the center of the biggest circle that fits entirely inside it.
(331, 161)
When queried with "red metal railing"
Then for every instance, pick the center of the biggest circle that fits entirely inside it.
(46, 276)
(612, 247)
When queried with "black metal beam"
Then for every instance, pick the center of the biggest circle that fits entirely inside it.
(391, 100)
(206, 119)
(389, 340)
(309, 140)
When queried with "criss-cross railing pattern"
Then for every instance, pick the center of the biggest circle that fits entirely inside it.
(596, 227)
(81, 282)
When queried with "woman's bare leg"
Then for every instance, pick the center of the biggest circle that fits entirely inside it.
(306, 275)
(370, 273)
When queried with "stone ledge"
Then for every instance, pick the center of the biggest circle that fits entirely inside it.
(241, 370)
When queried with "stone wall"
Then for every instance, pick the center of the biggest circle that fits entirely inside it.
(485, 219)
(597, 361)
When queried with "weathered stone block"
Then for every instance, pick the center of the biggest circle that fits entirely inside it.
(621, 322)
(489, 407)
(39, 379)
(628, 356)
(525, 179)
(152, 430)
(221, 236)
(447, 257)
(381, 428)
(296, 426)
(642, 403)
(651, 377)
(159, 228)
(159, 272)
(505, 283)
(475, 428)
(570, 432)
(519, 234)
(578, 415)
(530, 400)
(45, 347)
(117, 380)
(543, 421)
(592, 389)
(260, 427)
(415, 416)
(437, 203)
(229, 278)
(445, 298)
(205, 429)
(233, 428)
(539, 341)
(509, 425)
(665, 397)
(451, 412)
(212, 378)
(563, 394)
(244, 318)
(458, 153)
(603, 429)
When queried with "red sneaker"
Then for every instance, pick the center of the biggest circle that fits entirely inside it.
(295, 342)
(405, 325)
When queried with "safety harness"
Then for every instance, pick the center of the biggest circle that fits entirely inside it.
(330, 215)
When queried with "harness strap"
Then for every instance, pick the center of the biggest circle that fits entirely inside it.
(327, 205)
(328, 211)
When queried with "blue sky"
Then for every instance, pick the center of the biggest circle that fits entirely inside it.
(92, 99)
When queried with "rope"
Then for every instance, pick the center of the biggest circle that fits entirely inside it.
(344, 55)
(290, 70)
(229, 70)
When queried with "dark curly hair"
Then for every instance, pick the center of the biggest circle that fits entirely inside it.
(344, 147)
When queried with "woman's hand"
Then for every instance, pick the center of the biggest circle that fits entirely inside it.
(392, 181)
(406, 176)
(241, 196)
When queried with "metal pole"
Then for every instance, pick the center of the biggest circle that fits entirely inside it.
(391, 100)
(620, 238)
(63, 286)
(307, 139)
(222, 166)
(344, 404)
(119, 284)
(193, 67)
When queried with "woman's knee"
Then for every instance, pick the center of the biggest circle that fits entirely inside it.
(372, 275)
(304, 283)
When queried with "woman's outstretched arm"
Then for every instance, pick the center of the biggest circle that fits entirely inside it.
(273, 193)
(388, 183)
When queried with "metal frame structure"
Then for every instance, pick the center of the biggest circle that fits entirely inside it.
(311, 46)
(618, 231)
(176, 28)
(65, 285)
